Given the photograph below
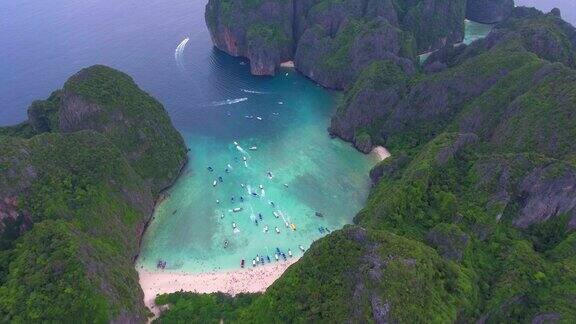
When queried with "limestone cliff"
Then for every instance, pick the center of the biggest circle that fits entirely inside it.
(78, 182)
(259, 30)
(332, 41)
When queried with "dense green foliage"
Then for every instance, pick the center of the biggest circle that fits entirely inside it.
(271, 35)
(78, 193)
(47, 281)
(154, 148)
(413, 14)
(79, 243)
(472, 218)
(195, 308)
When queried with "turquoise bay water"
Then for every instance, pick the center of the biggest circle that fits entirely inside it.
(310, 173)
(472, 31)
(475, 31)
(166, 48)
(285, 118)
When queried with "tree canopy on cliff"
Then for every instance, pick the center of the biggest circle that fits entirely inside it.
(77, 184)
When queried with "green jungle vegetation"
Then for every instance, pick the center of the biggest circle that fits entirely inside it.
(78, 182)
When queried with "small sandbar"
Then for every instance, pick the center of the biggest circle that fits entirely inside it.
(380, 152)
(248, 280)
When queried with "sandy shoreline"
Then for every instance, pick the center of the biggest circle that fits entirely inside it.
(250, 279)
(381, 153)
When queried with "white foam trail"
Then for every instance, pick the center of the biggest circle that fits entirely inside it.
(245, 164)
(249, 190)
(263, 193)
(252, 215)
(178, 53)
(284, 219)
(230, 167)
(228, 102)
(253, 91)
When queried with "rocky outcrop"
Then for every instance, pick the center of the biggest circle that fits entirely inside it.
(489, 11)
(332, 41)
(449, 240)
(258, 30)
(155, 149)
(452, 88)
(546, 193)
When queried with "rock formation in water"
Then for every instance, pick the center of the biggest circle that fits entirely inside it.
(489, 11)
(259, 30)
(472, 219)
(332, 41)
(78, 182)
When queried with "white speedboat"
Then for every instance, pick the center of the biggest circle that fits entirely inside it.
(258, 117)
(253, 148)
(277, 230)
(237, 209)
(266, 229)
(214, 183)
(233, 225)
(289, 253)
(261, 187)
(276, 256)
(301, 248)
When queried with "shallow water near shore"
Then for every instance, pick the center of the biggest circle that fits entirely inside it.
(293, 171)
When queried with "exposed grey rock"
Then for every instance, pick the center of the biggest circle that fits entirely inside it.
(547, 192)
(548, 318)
(449, 240)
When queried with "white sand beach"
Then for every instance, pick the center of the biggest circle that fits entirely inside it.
(287, 64)
(380, 152)
(246, 280)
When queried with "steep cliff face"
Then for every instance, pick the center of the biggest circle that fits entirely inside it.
(332, 41)
(259, 30)
(409, 115)
(109, 102)
(78, 183)
(489, 11)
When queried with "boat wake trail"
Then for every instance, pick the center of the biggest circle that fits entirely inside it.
(178, 52)
(241, 150)
(228, 102)
(253, 91)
